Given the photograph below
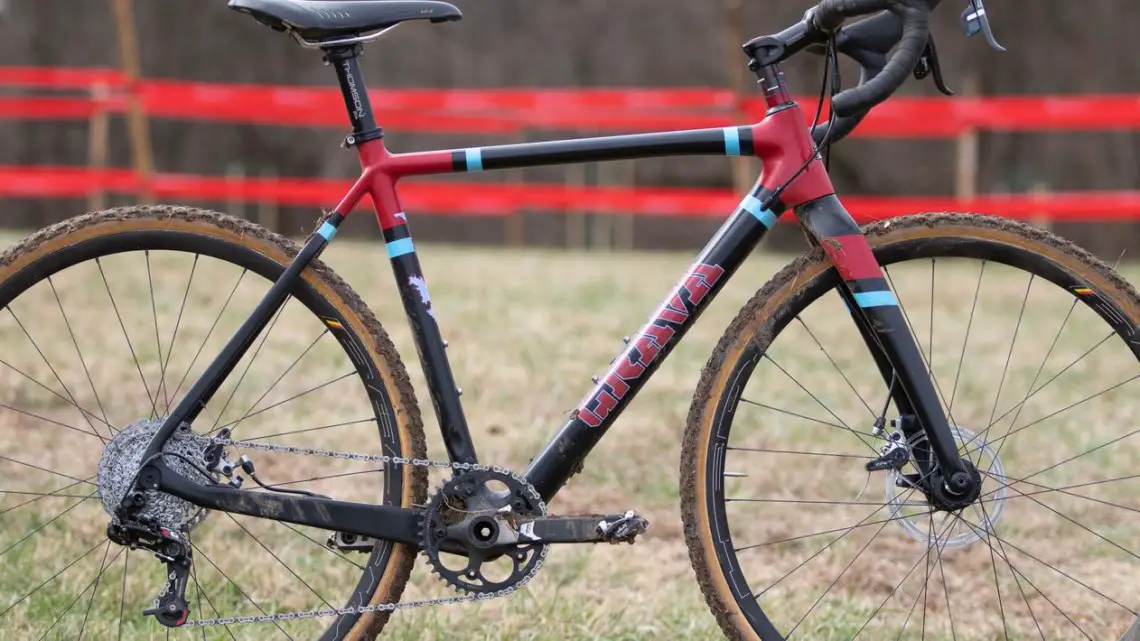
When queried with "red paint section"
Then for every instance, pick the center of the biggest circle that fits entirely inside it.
(643, 351)
(419, 164)
(852, 257)
(784, 145)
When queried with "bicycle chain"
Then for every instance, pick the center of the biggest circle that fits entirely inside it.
(379, 607)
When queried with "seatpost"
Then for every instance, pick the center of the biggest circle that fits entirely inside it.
(352, 87)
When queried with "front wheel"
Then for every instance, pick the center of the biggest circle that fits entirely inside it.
(1033, 348)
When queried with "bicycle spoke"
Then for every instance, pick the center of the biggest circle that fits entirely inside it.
(52, 422)
(123, 592)
(174, 337)
(70, 397)
(836, 367)
(126, 336)
(1046, 383)
(249, 364)
(53, 494)
(791, 413)
(821, 533)
(78, 352)
(966, 340)
(237, 587)
(812, 502)
(1013, 568)
(325, 477)
(157, 341)
(42, 494)
(44, 469)
(1037, 375)
(827, 409)
(279, 561)
(291, 398)
(209, 333)
(846, 531)
(1063, 490)
(925, 357)
(1008, 358)
(1081, 526)
(1068, 576)
(41, 527)
(311, 429)
(836, 579)
(892, 593)
(769, 451)
(51, 578)
(102, 568)
(320, 545)
(279, 378)
(1000, 441)
(94, 582)
(203, 594)
(931, 545)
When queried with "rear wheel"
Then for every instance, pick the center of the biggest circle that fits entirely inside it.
(1033, 347)
(106, 321)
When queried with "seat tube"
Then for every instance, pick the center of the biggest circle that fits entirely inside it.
(368, 139)
(430, 346)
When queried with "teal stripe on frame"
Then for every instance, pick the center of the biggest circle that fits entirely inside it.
(474, 159)
(753, 206)
(876, 299)
(400, 247)
(327, 231)
(731, 141)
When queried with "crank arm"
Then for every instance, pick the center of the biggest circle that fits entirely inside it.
(588, 528)
(377, 521)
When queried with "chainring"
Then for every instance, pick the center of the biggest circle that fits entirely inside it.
(472, 515)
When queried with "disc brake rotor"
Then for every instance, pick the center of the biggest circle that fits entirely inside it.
(914, 517)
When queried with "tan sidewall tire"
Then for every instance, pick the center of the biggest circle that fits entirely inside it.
(327, 284)
(754, 319)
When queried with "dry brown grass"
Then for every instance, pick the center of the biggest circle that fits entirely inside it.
(527, 330)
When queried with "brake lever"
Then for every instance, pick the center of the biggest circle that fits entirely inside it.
(974, 19)
(928, 64)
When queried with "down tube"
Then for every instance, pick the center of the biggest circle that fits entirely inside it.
(737, 238)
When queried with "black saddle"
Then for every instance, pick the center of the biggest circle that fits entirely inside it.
(317, 20)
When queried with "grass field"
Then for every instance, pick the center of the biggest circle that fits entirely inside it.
(527, 329)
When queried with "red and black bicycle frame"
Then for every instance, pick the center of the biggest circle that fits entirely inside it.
(790, 165)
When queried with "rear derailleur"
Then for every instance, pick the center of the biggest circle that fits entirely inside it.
(170, 608)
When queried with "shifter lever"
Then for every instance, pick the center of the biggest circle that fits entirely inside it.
(928, 64)
(974, 20)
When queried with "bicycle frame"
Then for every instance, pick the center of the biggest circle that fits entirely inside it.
(793, 178)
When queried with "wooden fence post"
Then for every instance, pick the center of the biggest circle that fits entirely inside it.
(966, 183)
(98, 137)
(137, 120)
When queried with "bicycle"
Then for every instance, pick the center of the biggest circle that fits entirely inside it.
(167, 477)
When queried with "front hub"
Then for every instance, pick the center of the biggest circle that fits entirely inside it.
(947, 496)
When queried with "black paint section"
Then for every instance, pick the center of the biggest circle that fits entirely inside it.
(677, 143)
(887, 335)
(223, 364)
(433, 358)
(363, 519)
(564, 454)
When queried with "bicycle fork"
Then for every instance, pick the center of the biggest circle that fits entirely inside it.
(883, 327)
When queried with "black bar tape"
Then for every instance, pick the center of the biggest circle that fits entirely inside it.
(916, 32)
(830, 14)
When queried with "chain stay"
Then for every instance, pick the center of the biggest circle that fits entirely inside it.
(379, 607)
